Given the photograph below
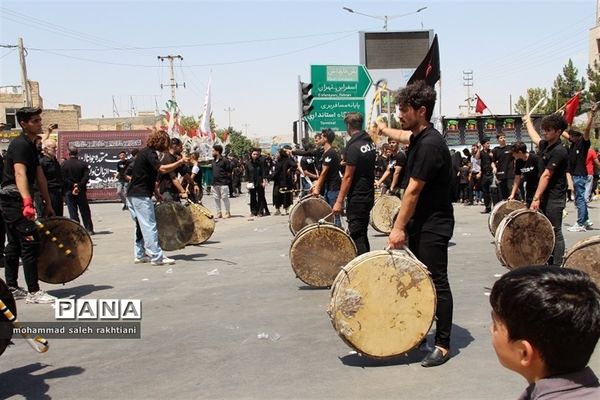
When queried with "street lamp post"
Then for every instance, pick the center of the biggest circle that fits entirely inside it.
(384, 18)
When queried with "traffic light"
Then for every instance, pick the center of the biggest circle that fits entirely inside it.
(306, 98)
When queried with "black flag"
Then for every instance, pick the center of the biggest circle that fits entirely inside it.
(429, 69)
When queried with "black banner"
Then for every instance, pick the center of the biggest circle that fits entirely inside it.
(465, 131)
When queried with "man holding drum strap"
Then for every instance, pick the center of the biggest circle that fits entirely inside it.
(357, 182)
(329, 180)
(551, 194)
(426, 218)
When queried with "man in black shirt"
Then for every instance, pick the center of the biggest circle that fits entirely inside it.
(357, 182)
(53, 173)
(426, 218)
(139, 198)
(221, 180)
(257, 181)
(578, 151)
(122, 165)
(502, 165)
(329, 181)
(76, 174)
(550, 196)
(487, 173)
(21, 171)
(527, 169)
(169, 187)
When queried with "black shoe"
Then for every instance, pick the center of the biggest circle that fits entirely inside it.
(435, 358)
(124, 208)
(486, 211)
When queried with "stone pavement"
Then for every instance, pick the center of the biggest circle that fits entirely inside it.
(230, 320)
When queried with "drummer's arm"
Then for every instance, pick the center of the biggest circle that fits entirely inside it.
(533, 134)
(515, 187)
(383, 178)
(345, 187)
(178, 185)
(165, 169)
(542, 186)
(43, 186)
(316, 190)
(399, 135)
(397, 171)
(409, 202)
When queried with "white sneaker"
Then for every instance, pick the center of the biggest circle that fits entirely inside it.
(164, 261)
(588, 224)
(143, 260)
(40, 297)
(577, 228)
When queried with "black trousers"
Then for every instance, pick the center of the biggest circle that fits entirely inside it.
(432, 250)
(258, 202)
(486, 182)
(80, 202)
(553, 210)
(23, 242)
(282, 199)
(503, 189)
(357, 213)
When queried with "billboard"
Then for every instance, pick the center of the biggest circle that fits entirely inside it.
(460, 131)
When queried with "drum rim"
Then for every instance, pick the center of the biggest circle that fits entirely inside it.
(211, 218)
(87, 235)
(378, 200)
(320, 198)
(581, 244)
(354, 264)
(496, 210)
(312, 227)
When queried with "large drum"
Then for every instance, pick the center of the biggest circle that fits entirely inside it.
(309, 210)
(66, 250)
(174, 224)
(383, 303)
(585, 256)
(204, 223)
(501, 210)
(6, 328)
(524, 237)
(319, 251)
(382, 213)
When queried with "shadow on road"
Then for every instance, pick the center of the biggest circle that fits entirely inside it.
(23, 382)
(78, 291)
(188, 257)
(461, 338)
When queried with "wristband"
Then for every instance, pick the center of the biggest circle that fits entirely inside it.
(27, 201)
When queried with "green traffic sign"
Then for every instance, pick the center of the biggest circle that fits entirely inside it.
(330, 113)
(340, 80)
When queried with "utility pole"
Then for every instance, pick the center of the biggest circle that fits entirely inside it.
(245, 129)
(24, 81)
(468, 83)
(173, 84)
(115, 108)
(229, 110)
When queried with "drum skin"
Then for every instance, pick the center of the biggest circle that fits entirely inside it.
(309, 210)
(174, 224)
(6, 328)
(318, 252)
(382, 213)
(525, 237)
(500, 211)
(585, 256)
(204, 223)
(383, 303)
(54, 266)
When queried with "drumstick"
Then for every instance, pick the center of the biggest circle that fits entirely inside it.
(322, 220)
(282, 190)
(539, 103)
(53, 238)
(38, 343)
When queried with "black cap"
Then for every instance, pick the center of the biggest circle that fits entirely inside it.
(175, 142)
(25, 113)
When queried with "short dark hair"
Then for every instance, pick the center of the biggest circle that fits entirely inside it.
(122, 152)
(218, 148)
(24, 114)
(73, 151)
(557, 310)
(329, 135)
(354, 120)
(175, 142)
(574, 132)
(519, 147)
(134, 152)
(417, 95)
(554, 121)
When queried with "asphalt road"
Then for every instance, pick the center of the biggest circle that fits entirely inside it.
(230, 320)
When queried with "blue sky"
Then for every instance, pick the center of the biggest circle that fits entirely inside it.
(256, 50)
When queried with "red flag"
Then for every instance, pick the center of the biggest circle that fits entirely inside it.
(480, 105)
(571, 108)
(429, 69)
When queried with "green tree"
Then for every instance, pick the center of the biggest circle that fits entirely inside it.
(566, 85)
(535, 94)
(189, 124)
(240, 144)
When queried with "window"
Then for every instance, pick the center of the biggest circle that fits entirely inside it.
(11, 118)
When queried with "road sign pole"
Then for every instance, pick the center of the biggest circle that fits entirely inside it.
(300, 126)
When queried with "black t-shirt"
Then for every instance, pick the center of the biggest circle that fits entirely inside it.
(165, 183)
(143, 174)
(503, 160)
(529, 170)
(429, 160)
(308, 164)
(121, 168)
(360, 152)
(381, 164)
(20, 151)
(75, 171)
(52, 172)
(577, 155)
(398, 160)
(555, 159)
(221, 172)
(331, 160)
(486, 162)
